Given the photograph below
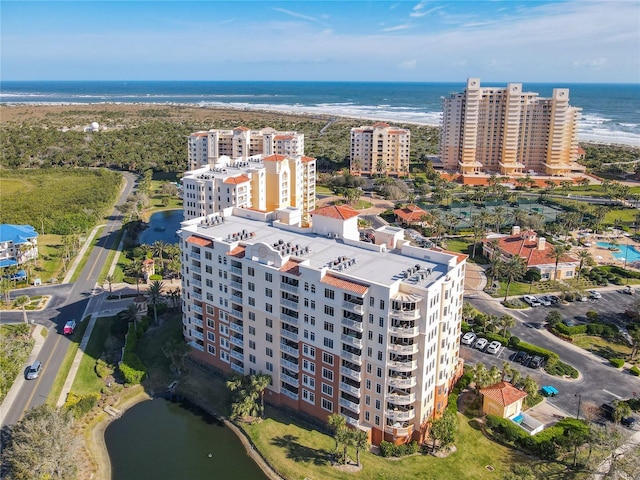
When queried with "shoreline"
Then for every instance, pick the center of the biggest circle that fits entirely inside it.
(290, 110)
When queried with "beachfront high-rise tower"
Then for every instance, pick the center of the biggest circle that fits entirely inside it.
(241, 143)
(367, 330)
(380, 149)
(505, 131)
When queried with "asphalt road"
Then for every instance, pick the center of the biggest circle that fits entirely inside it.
(599, 383)
(67, 302)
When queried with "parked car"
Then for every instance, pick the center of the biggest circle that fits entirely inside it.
(544, 301)
(582, 298)
(520, 356)
(607, 410)
(494, 347)
(628, 422)
(468, 338)
(531, 301)
(535, 362)
(481, 343)
(569, 323)
(34, 370)
(594, 294)
(627, 290)
(69, 327)
(553, 298)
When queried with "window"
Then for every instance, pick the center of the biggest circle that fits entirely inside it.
(327, 358)
(380, 338)
(252, 359)
(367, 399)
(306, 286)
(224, 329)
(327, 405)
(326, 373)
(269, 366)
(268, 307)
(308, 366)
(372, 301)
(367, 416)
(252, 330)
(370, 335)
(378, 388)
(269, 337)
(252, 301)
(252, 316)
(368, 368)
(379, 356)
(308, 350)
(208, 256)
(371, 318)
(381, 304)
(268, 292)
(381, 322)
(268, 276)
(379, 372)
(328, 293)
(224, 356)
(211, 349)
(269, 352)
(211, 336)
(268, 322)
(313, 289)
(328, 326)
(252, 345)
(367, 385)
(377, 404)
(327, 390)
(308, 396)
(377, 420)
(251, 286)
(308, 381)
(251, 271)
(328, 342)
(211, 323)
(328, 310)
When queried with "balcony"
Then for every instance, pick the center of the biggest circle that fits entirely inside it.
(401, 415)
(195, 269)
(289, 303)
(197, 296)
(196, 309)
(288, 318)
(290, 365)
(194, 255)
(349, 388)
(289, 334)
(351, 421)
(404, 332)
(286, 348)
(399, 399)
(197, 334)
(398, 431)
(290, 380)
(289, 394)
(289, 288)
(236, 312)
(357, 359)
(196, 283)
(404, 349)
(237, 355)
(236, 327)
(236, 285)
(236, 270)
(197, 346)
(237, 368)
(354, 407)
(403, 366)
(236, 341)
(349, 340)
(353, 307)
(357, 326)
(236, 298)
(351, 373)
(406, 314)
(197, 322)
(400, 382)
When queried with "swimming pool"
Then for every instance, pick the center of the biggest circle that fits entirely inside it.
(628, 252)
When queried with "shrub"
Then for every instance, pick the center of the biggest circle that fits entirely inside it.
(634, 371)
(551, 357)
(592, 316)
(155, 277)
(80, 405)
(103, 369)
(131, 374)
(496, 337)
(514, 341)
(561, 368)
(569, 331)
(617, 362)
(388, 449)
(465, 327)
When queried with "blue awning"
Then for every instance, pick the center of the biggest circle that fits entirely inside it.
(8, 262)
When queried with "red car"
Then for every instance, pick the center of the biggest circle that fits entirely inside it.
(69, 327)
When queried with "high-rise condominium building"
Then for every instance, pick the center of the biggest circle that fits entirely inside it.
(263, 183)
(367, 330)
(240, 144)
(509, 132)
(380, 149)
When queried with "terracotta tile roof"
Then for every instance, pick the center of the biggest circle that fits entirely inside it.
(460, 256)
(525, 245)
(237, 252)
(199, 134)
(343, 212)
(503, 393)
(237, 180)
(305, 159)
(274, 158)
(380, 124)
(283, 137)
(291, 267)
(359, 288)
(244, 129)
(203, 242)
(148, 261)
(410, 213)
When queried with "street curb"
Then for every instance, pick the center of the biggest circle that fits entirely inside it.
(81, 254)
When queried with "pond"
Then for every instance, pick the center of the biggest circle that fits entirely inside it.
(162, 226)
(164, 440)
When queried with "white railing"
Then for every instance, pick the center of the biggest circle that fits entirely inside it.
(288, 288)
(196, 283)
(194, 255)
(289, 365)
(403, 366)
(289, 334)
(236, 270)
(195, 269)
(288, 303)
(357, 359)
(357, 326)
(401, 414)
(404, 332)
(235, 327)
(289, 318)
(196, 309)
(356, 307)
(287, 393)
(399, 382)
(351, 421)
(354, 407)
(398, 431)
(351, 373)
(236, 285)
(404, 349)
(398, 399)
(197, 296)
(237, 341)
(406, 314)
(237, 367)
(197, 322)
(286, 348)
(197, 346)
(237, 355)
(351, 340)
(349, 388)
(290, 380)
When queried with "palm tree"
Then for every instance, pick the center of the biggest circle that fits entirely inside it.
(130, 314)
(494, 259)
(585, 257)
(155, 294)
(135, 268)
(110, 279)
(505, 322)
(513, 270)
(344, 437)
(360, 442)
(499, 214)
(336, 422)
(21, 302)
(159, 247)
(480, 376)
(5, 290)
(259, 382)
(621, 410)
(556, 253)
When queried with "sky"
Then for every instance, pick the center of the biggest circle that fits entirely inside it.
(584, 41)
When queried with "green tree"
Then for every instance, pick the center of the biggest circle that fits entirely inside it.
(585, 258)
(21, 302)
(259, 382)
(5, 290)
(556, 253)
(621, 410)
(155, 296)
(344, 437)
(336, 422)
(532, 276)
(443, 429)
(505, 322)
(360, 442)
(513, 270)
(40, 445)
(110, 279)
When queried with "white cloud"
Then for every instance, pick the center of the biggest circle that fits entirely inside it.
(397, 27)
(423, 13)
(591, 63)
(295, 14)
(408, 64)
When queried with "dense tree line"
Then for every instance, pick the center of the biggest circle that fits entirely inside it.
(61, 201)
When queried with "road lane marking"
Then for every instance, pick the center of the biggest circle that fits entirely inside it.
(611, 393)
(44, 365)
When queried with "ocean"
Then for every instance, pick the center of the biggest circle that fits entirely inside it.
(610, 112)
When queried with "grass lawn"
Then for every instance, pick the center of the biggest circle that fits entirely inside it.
(624, 215)
(87, 381)
(460, 245)
(299, 451)
(148, 351)
(63, 371)
(87, 254)
(321, 189)
(602, 347)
